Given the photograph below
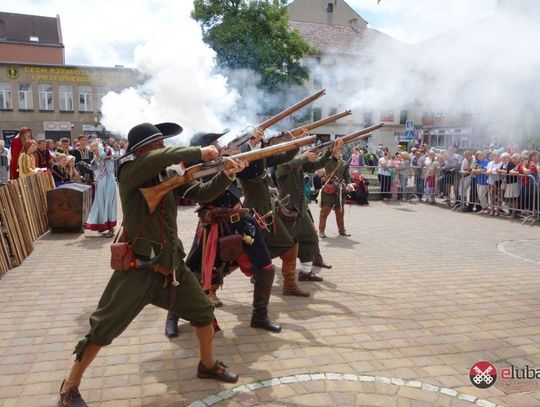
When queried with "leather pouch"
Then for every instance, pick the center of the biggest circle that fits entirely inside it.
(121, 256)
(330, 189)
(230, 247)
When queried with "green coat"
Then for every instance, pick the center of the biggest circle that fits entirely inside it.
(340, 178)
(290, 178)
(257, 197)
(144, 172)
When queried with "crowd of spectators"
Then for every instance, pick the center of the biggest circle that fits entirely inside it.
(62, 158)
(85, 160)
(489, 181)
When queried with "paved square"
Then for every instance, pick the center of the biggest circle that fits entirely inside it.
(416, 296)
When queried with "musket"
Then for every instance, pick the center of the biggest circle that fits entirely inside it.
(350, 138)
(297, 132)
(153, 195)
(250, 132)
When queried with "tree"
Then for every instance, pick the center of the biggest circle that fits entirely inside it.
(254, 34)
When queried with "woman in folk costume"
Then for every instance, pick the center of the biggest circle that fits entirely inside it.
(102, 216)
(26, 161)
(17, 144)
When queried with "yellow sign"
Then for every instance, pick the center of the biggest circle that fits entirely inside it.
(49, 74)
(12, 73)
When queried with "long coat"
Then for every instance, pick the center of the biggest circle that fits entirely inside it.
(290, 178)
(254, 180)
(340, 179)
(149, 230)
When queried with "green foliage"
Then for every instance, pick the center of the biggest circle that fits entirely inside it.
(255, 35)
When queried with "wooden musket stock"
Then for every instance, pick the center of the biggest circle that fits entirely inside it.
(154, 195)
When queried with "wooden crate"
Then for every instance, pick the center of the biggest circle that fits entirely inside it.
(68, 207)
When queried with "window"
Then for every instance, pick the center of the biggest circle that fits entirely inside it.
(26, 100)
(403, 117)
(368, 118)
(101, 92)
(66, 98)
(85, 99)
(387, 116)
(317, 113)
(2, 29)
(5, 96)
(329, 8)
(333, 82)
(317, 82)
(317, 60)
(46, 100)
(333, 111)
(441, 113)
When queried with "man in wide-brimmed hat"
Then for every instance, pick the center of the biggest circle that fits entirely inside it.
(161, 278)
(228, 236)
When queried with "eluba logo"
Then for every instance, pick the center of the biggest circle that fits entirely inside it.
(483, 374)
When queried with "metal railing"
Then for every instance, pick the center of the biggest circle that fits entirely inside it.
(513, 195)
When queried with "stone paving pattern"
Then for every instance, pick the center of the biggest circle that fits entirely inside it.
(417, 293)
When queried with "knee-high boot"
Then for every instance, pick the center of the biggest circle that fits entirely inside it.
(171, 325)
(323, 215)
(288, 269)
(261, 297)
(340, 220)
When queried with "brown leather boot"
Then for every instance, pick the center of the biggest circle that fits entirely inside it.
(323, 215)
(340, 220)
(288, 269)
(212, 296)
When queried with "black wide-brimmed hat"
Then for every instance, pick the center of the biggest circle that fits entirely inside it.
(203, 139)
(146, 133)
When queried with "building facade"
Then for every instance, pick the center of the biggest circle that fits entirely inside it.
(39, 91)
(345, 45)
(57, 101)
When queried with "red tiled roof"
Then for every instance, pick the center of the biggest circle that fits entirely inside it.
(342, 39)
(20, 27)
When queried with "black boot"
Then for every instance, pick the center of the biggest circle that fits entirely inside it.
(171, 325)
(318, 261)
(261, 296)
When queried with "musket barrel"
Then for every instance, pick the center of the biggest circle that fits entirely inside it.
(154, 195)
(320, 123)
(246, 135)
(290, 110)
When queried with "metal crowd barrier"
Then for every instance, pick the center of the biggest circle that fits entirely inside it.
(520, 199)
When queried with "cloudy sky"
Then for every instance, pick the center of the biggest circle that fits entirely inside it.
(105, 33)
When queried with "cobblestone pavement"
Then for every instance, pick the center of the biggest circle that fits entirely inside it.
(416, 296)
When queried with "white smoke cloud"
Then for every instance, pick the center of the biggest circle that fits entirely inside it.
(488, 68)
(181, 84)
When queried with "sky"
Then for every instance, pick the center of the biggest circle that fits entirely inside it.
(467, 70)
(106, 33)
